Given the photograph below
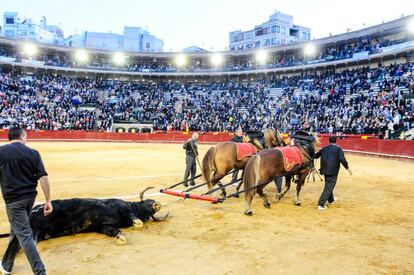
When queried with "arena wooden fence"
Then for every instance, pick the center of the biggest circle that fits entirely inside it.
(354, 143)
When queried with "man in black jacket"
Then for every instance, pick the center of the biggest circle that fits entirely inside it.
(238, 138)
(332, 157)
(20, 169)
(191, 153)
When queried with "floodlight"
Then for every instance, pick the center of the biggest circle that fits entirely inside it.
(216, 59)
(119, 58)
(261, 56)
(30, 49)
(180, 60)
(309, 49)
(410, 26)
(81, 55)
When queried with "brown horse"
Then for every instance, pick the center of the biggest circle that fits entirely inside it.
(222, 158)
(268, 164)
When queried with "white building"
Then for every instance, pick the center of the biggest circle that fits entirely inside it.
(13, 27)
(134, 39)
(279, 30)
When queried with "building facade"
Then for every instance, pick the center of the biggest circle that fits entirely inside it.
(13, 27)
(134, 39)
(279, 30)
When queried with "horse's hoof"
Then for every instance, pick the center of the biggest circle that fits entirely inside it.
(248, 213)
(297, 203)
(278, 197)
(223, 195)
(267, 205)
(236, 196)
(137, 223)
(120, 239)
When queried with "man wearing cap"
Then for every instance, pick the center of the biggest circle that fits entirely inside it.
(332, 156)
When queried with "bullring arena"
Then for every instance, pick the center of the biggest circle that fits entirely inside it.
(116, 110)
(368, 231)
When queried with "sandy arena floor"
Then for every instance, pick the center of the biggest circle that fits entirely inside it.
(369, 231)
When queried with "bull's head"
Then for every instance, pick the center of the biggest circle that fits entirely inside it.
(149, 208)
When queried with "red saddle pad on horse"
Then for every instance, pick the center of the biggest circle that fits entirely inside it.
(245, 150)
(291, 156)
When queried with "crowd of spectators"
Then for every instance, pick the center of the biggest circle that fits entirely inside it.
(351, 101)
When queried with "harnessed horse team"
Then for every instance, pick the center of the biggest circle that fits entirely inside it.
(263, 167)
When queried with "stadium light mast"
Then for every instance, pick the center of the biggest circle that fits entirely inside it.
(119, 58)
(81, 55)
(261, 57)
(309, 49)
(180, 60)
(30, 49)
(217, 59)
(410, 26)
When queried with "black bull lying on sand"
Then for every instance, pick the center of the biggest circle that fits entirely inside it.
(105, 216)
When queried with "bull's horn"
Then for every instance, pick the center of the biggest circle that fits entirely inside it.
(160, 218)
(141, 194)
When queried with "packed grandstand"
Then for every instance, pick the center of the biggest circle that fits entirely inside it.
(357, 82)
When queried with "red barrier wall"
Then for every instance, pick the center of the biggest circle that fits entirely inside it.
(358, 143)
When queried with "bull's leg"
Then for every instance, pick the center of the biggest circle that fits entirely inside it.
(288, 180)
(262, 194)
(137, 223)
(113, 231)
(299, 184)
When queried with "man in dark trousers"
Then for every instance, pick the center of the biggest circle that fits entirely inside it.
(331, 158)
(20, 169)
(191, 153)
(238, 138)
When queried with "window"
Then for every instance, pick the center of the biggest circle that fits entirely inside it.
(267, 42)
(259, 32)
(283, 30)
(277, 41)
(257, 44)
(275, 29)
(9, 33)
(9, 20)
(249, 35)
(273, 41)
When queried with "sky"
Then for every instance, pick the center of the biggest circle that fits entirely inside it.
(205, 23)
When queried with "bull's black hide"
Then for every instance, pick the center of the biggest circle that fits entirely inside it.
(106, 216)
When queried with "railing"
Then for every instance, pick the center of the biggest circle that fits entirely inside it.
(366, 144)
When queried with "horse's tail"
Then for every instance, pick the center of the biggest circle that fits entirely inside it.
(209, 165)
(251, 176)
(4, 235)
